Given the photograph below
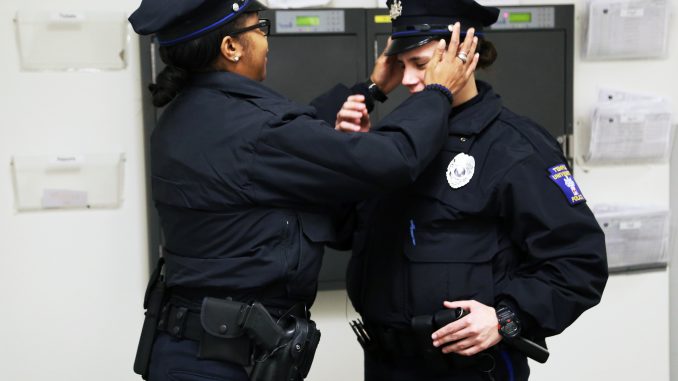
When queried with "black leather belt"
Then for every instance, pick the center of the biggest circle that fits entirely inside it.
(183, 321)
(180, 322)
(393, 341)
(392, 344)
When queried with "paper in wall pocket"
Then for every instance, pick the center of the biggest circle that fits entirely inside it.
(68, 181)
(72, 40)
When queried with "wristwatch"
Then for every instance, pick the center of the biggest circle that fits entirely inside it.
(375, 91)
(509, 324)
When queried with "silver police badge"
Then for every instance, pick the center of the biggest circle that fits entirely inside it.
(396, 9)
(460, 170)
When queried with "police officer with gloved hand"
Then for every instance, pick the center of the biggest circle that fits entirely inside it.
(461, 275)
(250, 186)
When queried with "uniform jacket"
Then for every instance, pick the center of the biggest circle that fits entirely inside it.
(510, 234)
(246, 182)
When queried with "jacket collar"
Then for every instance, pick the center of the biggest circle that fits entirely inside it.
(472, 120)
(255, 92)
(232, 83)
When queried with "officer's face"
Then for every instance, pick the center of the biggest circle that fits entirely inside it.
(255, 55)
(414, 65)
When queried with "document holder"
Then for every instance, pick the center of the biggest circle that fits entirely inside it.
(636, 237)
(62, 40)
(68, 181)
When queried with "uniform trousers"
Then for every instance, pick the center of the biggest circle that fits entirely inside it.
(176, 360)
(507, 367)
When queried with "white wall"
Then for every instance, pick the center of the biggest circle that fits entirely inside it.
(673, 258)
(71, 283)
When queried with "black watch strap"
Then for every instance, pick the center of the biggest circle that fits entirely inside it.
(375, 91)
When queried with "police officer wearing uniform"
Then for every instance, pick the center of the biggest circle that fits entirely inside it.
(249, 187)
(463, 274)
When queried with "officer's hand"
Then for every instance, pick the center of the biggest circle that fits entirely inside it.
(446, 69)
(353, 116)
(471, 334)
(388, 72)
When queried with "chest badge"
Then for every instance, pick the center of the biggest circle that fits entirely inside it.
(460, 170)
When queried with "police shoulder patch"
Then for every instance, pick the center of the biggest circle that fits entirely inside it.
(561, 175)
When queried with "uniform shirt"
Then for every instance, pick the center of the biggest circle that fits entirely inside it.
(509, 235)
(246, 181)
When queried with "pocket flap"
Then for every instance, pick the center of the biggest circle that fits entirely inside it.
(219, 317)
(317, 227)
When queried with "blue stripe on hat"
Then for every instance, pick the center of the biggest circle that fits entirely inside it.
(205, 29)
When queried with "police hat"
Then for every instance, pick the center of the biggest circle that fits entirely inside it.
(417, 22)
(176, 21)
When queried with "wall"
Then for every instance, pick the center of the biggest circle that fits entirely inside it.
(71, 283)
(673, 279)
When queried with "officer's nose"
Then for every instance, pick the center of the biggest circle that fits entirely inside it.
(412, 80)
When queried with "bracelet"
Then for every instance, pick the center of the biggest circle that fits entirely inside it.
(375, 91)
(441, 88)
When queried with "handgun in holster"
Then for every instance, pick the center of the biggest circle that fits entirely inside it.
(291, 360)
(283, 350)
(153, 302)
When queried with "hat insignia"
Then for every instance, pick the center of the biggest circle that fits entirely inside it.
(396, 9)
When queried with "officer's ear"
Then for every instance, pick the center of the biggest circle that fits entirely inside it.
(231, 49)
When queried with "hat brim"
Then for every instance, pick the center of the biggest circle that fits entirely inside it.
(403, 44)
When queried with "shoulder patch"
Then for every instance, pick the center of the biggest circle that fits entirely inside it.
(561, 175)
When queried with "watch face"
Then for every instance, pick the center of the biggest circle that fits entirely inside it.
(508, 323)
(510, 328)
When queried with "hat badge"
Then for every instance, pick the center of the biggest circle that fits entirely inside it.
(396, 9)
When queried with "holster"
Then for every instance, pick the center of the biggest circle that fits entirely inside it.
(246, 334)
(291, 361)
(224, 337)
(153, 302)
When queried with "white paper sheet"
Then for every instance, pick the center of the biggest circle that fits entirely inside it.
(627, 29)
(629, 128)
(634, 236)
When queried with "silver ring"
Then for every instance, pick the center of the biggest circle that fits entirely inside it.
(462, 56)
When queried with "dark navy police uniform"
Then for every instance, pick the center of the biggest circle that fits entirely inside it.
(510, 234)
(496, 218)
(250, 186)
(246, 182)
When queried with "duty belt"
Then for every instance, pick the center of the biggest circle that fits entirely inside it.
(180, 322)
(276, 348)
(183, 322)
(392, 344)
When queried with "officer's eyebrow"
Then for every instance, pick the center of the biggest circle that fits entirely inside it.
(415, 59)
